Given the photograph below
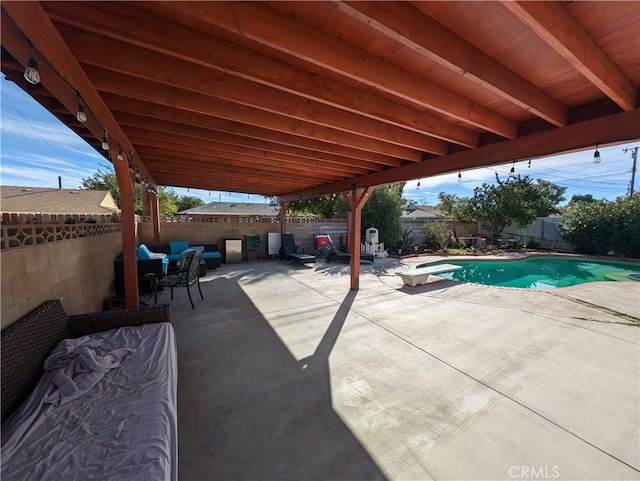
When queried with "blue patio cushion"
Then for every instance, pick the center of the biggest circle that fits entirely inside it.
(144, 253)
(176, 247)
(211, 255)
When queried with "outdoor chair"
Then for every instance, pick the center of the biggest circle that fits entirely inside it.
(185, 275)
(252, 243)
(290, 251)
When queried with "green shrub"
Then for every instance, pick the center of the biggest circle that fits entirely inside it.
(436, 233)
(532, 244)
(603, 227)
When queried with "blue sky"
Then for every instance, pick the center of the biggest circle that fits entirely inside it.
(35, 148)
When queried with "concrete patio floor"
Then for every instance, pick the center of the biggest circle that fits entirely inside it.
(286, 374)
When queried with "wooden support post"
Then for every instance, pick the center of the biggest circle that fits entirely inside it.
(155, 217)
(128, 229)
(284, 207)
(146, 201)
(355, 201)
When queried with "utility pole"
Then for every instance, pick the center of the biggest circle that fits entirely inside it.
(634, 156)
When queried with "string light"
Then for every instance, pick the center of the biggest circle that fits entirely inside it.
(596, 156)
(459, 176)
(81, 115)
(31, 73)
(105, 140)
(512, 172)
(418, 184)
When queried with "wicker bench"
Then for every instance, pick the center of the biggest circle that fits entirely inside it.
(26, 344)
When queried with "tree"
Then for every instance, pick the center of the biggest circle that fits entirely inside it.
(383, 210)
(106, 180)
(188, 202)
(581, 198)
(455, 208)
(495, 206)
(550, 196)
(168, 200)
(328, 206)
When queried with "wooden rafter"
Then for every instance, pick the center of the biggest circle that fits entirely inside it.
(210, 52)
(614, 128)
(403, 23)
(266, 26)
(551, 22)
(148, 66)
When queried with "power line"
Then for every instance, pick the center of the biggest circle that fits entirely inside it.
(39, 135)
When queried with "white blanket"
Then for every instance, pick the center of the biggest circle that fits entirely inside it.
(79, 365)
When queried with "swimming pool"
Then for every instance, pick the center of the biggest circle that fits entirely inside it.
(540, 272)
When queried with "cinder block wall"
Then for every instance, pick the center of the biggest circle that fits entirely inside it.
(77, 271)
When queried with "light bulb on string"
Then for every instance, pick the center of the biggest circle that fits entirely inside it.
(31, 73)
(596, 156)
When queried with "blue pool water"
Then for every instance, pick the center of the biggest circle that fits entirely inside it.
(540, 272)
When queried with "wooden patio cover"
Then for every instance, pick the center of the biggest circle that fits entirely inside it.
(297, 99)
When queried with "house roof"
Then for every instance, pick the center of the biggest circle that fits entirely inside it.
(298, 99)
(234, 208)
(419, 212)
(43, 200)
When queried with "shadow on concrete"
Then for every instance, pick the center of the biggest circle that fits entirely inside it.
(429, 287)
(247, 409)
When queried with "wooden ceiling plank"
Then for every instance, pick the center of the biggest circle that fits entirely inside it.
(138, 125)
(141, 137)
(119, 57)
(208, 51)
(233, 173)
(153, 111)
(221, 164)
(249, 155)
(267, 162)
(423, 35)
(34, 23)
(269, 27)
(614, 128)
(115, 83)
(555, 25)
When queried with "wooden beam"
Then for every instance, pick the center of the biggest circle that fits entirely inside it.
(264, 25)
(115, 83)
(213, 157)
(173, 133)
(155, 218)
(197, 47)
(129, 257)
(613, 128)
(220, 164)
(119, 57)
(555, 25)
(34, 23)
(355, 200)
(407, 25)
(151, 112)
(284, 207)
(226, 151)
